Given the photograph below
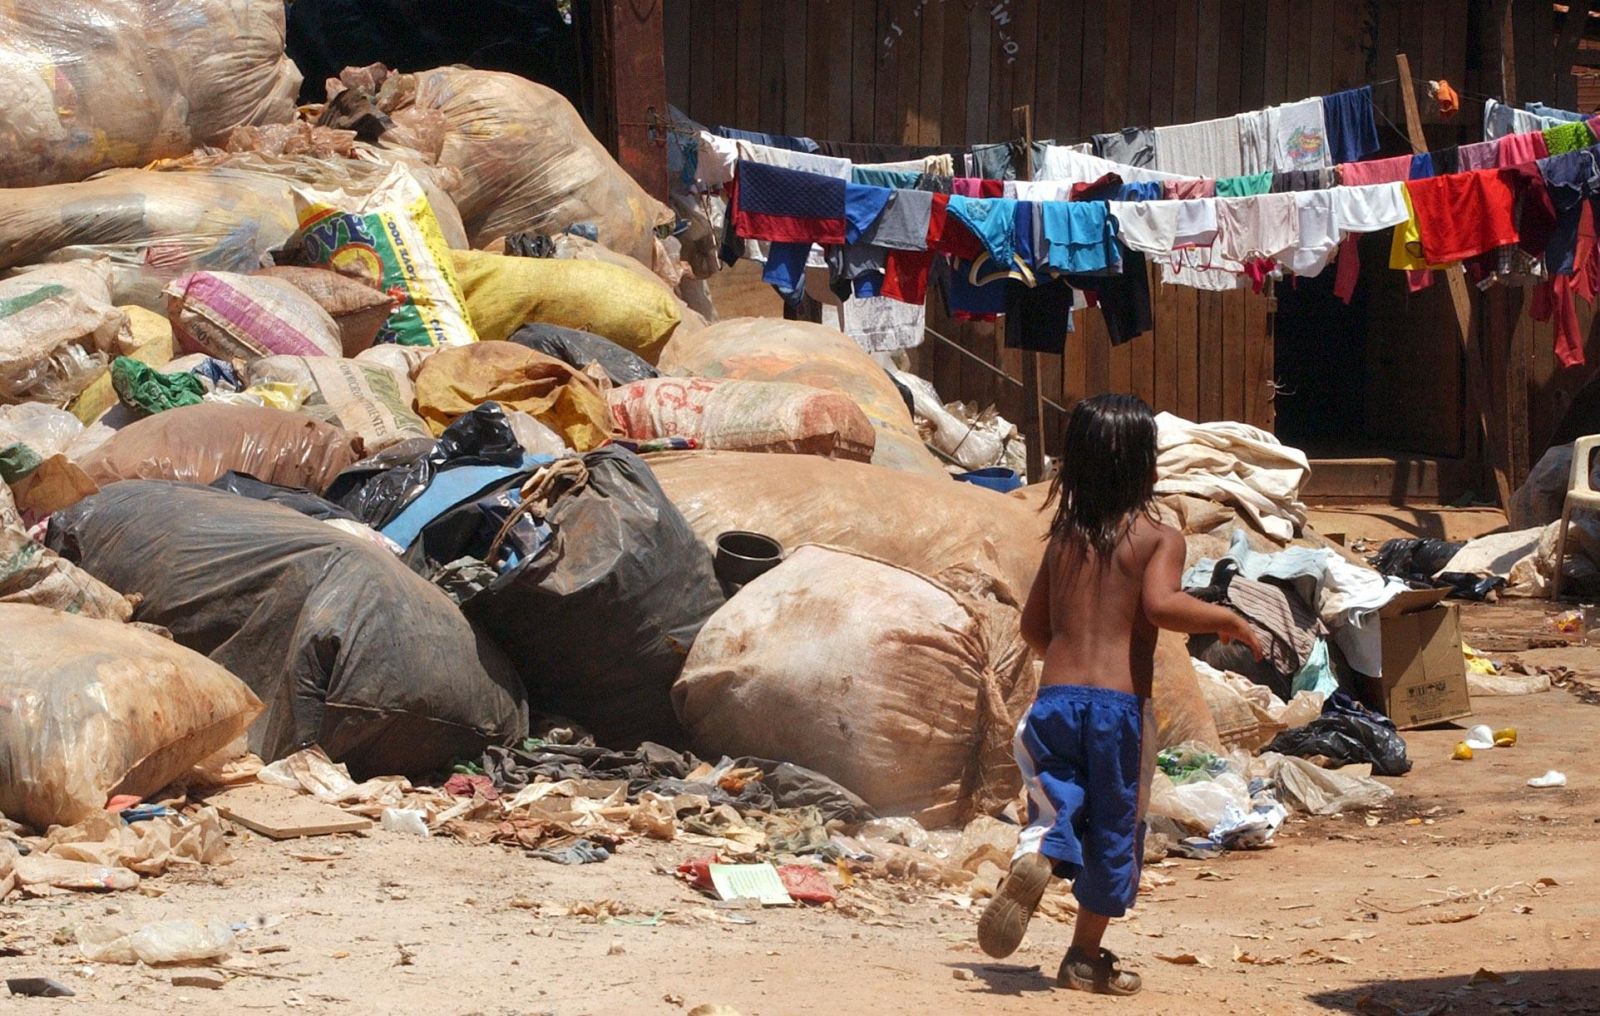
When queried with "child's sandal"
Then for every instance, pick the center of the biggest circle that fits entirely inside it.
(1097, 974)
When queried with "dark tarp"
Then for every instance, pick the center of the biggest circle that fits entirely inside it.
(346, 646)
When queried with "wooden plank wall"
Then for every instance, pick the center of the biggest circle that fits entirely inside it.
(949, 71)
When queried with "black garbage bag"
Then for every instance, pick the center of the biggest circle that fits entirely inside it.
(599, 620)
(347, 647)
(298, 498)
(578, 349)
(1416, 561)
(1347, 732)
(376, 489)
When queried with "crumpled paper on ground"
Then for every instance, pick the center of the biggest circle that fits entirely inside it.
(310, 771)
(102, 852)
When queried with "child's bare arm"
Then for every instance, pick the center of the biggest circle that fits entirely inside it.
(1036, 613)
(1167, 606)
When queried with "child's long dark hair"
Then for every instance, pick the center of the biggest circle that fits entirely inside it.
(1107, 474)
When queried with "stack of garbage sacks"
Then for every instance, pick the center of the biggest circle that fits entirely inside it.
(305, 467)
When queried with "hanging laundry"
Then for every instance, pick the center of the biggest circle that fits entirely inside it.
(1445, 160)
(1482, 155)
(1145, 190)
(1516, 149)
(1352, 129)
(1462, 215)
(1002, 161)
(1124, 298)
(787, 205)
(868, 153)
(1131, 146)
(1079, 237)
(1535, 211)
(1355, 174)
(768, 140)
(1069, 166)
(1302, 180)
(1254, 228)
(1567, 137)
(787, 159)
(1319, 233)
(903, 223)
(1445, 98)
(885, 176)
(1369, 208)
(1347, 270)
(716, 158)
(1421, 166)
(863, 204)
(1255, 142)
(1206, 149)
(1552, 113)
(1571, 181)
(1244, 186)
(1500, 120)
(881, 325)
(1039, 318)
(905, 276)
(976, 187)
(947, 235)
(1299, 135)
(991, 221)
(1183, 190)
(1161, 227)
(1037, 190)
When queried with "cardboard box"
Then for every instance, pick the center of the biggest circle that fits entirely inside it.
(1424, 672)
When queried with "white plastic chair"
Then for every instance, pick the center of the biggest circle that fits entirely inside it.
(1579, 495)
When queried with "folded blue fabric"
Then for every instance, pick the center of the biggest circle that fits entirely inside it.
(863, 204)
(774, 190)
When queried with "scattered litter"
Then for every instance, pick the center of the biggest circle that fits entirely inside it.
(1480, 738)
(38, 987)
(406, 820)
(759, 882)
(199, 979)
(1184, 960)
(1551, 778)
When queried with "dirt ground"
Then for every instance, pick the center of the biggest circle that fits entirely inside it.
(1467, 870)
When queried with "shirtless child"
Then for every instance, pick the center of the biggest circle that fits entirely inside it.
(1108, 582)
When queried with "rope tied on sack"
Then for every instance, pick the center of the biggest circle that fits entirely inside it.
(538, 494)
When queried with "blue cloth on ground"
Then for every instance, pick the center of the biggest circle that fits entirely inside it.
(1080, 750)
(1352, 130)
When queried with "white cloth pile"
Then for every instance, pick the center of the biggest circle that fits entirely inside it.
(1234, 463)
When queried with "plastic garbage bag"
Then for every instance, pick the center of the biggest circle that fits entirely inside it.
(919, 721)
(768, 349)
(455, 381)
(92, 84)
(96, 708)
(600, 619)
(368, 399)
(580, 348)
(1310, 788)
(377, 489)
(1347, 732)
(197, 444)
(526, 160)
(297, 498)
(347, 647)
(752, 416)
